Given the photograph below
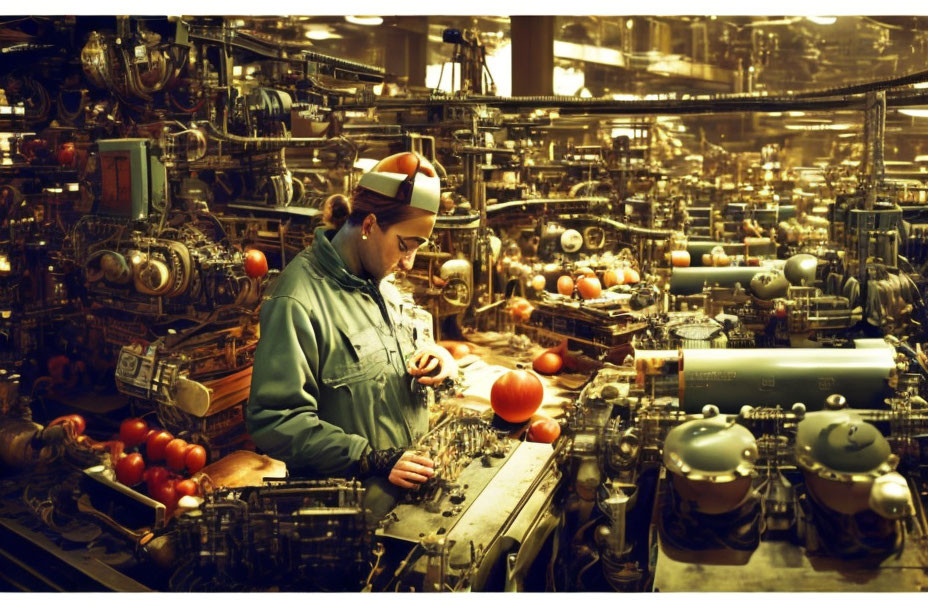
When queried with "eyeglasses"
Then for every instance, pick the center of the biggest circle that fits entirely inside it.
(404, 248)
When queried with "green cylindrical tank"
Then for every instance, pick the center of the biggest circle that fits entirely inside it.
(687, 281)
(765, 377)
(696, 250)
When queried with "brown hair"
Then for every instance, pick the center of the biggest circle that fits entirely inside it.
(339, 209)
(388, 210)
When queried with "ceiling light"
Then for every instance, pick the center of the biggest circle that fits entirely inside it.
(364, 19)
(823, 20)
(915, 112)
(321, 33)
(820, 127)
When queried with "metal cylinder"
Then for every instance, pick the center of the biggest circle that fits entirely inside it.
(697, 248)
(766, 377)
(687, 281)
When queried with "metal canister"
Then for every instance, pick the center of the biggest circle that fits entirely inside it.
(841, 456)
(688, 281)
(768, 377)
(711, 461)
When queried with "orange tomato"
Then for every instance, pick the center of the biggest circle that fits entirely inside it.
(538, 282)
(680, 258)
(565, 285)
(525, 314)
(516, 395)
(547, 363)
(611, 277)
(255, 263)
(589, 288)
(458, 349)
(631, 275)
(521, 310)
(544, 430)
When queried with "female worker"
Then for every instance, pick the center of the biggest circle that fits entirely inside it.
(333, 389)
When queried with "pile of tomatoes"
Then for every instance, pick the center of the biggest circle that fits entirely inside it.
(166, 484)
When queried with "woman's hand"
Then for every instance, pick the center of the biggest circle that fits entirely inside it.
(435, 360)
(411, 470)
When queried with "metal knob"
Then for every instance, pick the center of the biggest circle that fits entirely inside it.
(835, 402)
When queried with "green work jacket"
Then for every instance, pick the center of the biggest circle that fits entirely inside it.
(330, 373)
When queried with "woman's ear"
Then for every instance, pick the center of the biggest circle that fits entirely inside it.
(367, 225)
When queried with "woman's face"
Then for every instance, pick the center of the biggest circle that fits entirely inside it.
(394, 248)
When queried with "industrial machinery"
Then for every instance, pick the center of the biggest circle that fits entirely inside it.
(719, 262)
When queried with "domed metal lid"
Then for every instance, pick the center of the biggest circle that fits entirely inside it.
(769, 284)
(710, 449)
(839, 445)
(800, 269)
(705, 330)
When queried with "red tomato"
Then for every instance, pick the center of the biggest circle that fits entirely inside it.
(133, 431)
(154, 476)
(589, 288)
(548, 363)
(174, 453)
(255, 263)
(130, 468)
(155, 445)
(195, 458)
(165, 494)
(66, 154)
(516, 395)
(544, 430)
(186, 487)
(565, 285)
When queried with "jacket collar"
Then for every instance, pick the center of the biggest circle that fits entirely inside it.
(328, 261)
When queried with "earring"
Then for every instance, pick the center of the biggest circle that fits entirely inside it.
(363, 237)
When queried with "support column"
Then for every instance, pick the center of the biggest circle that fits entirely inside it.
(532, 55)
(406, 51)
